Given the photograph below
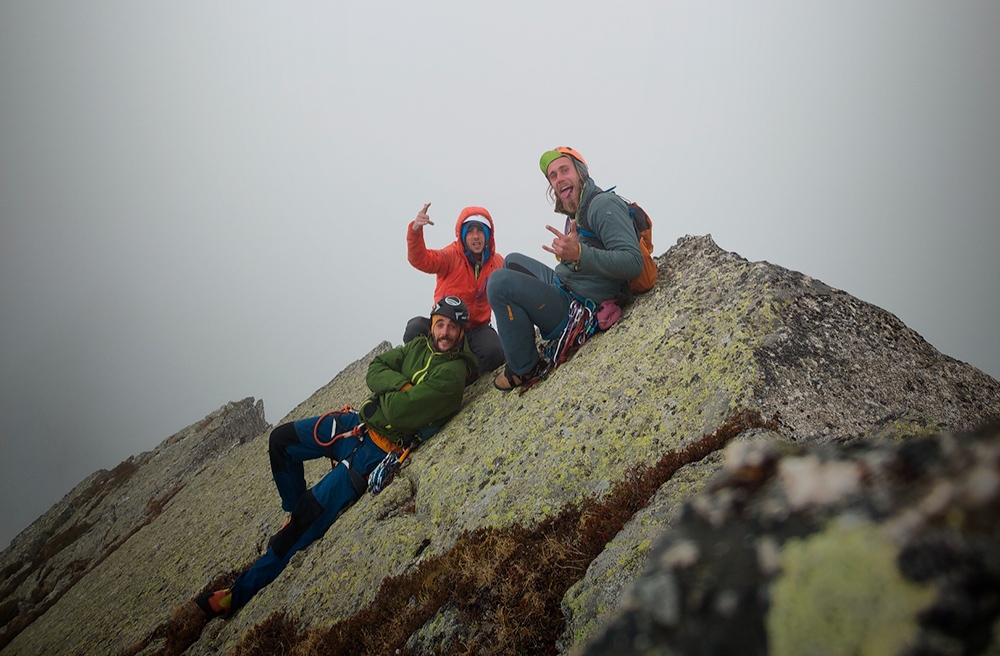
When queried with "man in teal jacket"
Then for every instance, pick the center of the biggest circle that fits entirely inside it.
(593, 265)
(415, 388)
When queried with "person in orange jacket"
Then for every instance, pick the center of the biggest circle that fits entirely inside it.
(462, 268)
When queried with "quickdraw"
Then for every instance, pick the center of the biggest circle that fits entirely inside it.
(581, 325)
(386, 470)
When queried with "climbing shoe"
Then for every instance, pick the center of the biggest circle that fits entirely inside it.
(215, 604)
(506, 380)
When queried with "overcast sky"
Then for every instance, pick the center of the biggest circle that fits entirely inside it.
(204, 201)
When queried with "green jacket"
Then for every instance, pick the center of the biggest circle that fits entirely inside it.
(438, 381)
(600, 273)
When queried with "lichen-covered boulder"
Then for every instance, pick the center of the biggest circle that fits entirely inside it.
(881, 547)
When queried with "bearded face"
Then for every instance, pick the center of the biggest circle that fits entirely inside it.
(566, 183)
(445, 334)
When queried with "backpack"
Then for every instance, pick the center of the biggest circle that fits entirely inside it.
(644, 231)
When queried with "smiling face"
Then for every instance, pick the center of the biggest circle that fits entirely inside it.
(445, 334)
(475, 238)
(565, 182)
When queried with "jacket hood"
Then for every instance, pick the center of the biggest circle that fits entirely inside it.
(472, 211)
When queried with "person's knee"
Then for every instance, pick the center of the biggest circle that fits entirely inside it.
(282, 437)
(523, 264)
(491, 359)
(488, 349)
(515, 261)
(499, 286)
(306, 512)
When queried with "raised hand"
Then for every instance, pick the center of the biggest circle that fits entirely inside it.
(422, 219)
(566, 247)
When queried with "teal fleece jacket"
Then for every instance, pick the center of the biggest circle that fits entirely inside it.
(438, 381)
(599, 273)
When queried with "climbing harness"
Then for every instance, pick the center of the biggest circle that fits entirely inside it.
(358, 482)
(581, 325)
(382, 475)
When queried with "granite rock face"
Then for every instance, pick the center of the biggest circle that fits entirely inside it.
(104, 512)
(717, 335)
(833, 368)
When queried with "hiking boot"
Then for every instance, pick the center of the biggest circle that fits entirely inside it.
(215, 604)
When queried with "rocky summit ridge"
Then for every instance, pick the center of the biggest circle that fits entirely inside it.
(525, 526)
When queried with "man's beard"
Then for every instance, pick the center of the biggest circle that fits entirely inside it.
(437, 344)
(568, 207)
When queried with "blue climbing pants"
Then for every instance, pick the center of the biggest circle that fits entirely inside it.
(523, 294)
(313, 510)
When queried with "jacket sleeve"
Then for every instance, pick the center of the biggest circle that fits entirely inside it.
(422, 259)
(621, 258)
(434, 399)
(384, 372)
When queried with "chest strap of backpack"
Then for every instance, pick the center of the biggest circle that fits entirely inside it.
(583, 225)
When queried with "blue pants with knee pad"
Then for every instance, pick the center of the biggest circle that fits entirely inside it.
(313, 510)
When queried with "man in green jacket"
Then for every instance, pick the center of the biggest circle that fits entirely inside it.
(415, 388)
(593, 265)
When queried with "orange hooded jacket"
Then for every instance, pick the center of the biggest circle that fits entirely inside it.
(455, 274)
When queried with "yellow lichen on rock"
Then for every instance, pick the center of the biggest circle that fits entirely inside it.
(840, 592)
